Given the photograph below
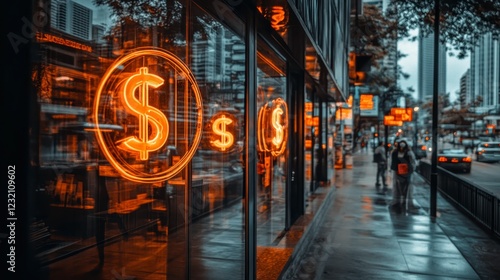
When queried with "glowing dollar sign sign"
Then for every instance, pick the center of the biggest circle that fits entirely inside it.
(219, 128)
(278, 138)
(147, 115)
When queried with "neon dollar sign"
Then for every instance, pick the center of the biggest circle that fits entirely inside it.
(147, 115)
(278, 138)
(219, 128)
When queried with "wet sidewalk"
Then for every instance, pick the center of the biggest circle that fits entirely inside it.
(360, 238)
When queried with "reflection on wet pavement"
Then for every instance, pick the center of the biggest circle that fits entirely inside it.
(361, 238)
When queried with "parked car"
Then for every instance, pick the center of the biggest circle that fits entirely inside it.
(454, 160)
(488, 152)
(470, 143)
(421, 151)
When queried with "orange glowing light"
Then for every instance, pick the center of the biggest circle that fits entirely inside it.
(147, 115)
(49, 38)
(276, 116)
(153, 129)
(222, 131)
(273, 127)
(390, 121)
(219, 128)
(366, 102)
(308, 107)
(402, 114)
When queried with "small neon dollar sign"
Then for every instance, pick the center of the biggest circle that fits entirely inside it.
(219, 128)
(278, 138)
(148, 115)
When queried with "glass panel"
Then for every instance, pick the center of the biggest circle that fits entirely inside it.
(216, 236)
(277, 12)
(330, 141)
(312, 141)
(272, 137)
(120, 119)
(308, 142)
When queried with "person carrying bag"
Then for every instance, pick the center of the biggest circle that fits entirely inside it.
(403, 164)
(380, 158)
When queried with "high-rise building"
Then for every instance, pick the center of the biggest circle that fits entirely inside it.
(485, 72)
(72, 18)
(426, 67)
(465, 90)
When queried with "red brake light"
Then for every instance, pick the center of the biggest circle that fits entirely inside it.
(442, 159)
(467, 159)
(424, 148)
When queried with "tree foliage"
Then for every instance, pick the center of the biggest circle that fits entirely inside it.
(160, 13)
(453, 113)
(375, 34)
(462, 23)
(371, 32)
(166, 17)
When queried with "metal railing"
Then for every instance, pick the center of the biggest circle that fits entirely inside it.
(479, 204)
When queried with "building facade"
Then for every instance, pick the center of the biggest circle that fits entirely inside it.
(177, 140)
(485, 71)
(426, 68)
(465, 94)
(485, 83)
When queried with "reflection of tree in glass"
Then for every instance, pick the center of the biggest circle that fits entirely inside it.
(151, 22)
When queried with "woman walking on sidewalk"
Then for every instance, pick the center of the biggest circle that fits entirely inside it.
(403, 164)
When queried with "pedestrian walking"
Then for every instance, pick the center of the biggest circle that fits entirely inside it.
(403, 164)
(381, 159)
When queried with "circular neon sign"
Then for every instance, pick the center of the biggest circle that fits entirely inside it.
(154, 95)
(273, 127)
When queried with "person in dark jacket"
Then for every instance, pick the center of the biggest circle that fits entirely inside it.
(403, 164)
(381, 160)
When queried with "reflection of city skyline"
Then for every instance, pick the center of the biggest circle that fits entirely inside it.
(101, 14)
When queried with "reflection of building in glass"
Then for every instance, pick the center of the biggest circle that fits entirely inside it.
(72, 18)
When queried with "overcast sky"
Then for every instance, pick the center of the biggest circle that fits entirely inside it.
(455, 68)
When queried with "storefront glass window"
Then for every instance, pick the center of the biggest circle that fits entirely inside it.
(141, 125)
(272, 134)
(313, 142)
(277, 12)
(216, 234)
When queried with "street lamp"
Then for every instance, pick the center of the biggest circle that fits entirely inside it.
(415, 110)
